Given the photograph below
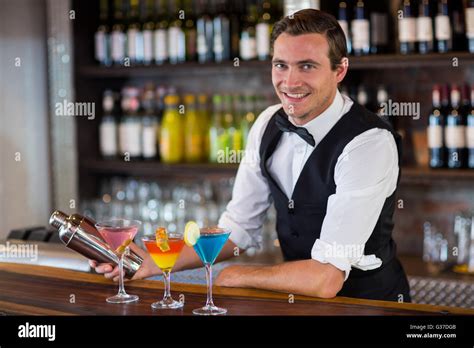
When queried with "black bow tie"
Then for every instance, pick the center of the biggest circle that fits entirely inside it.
(286, 126)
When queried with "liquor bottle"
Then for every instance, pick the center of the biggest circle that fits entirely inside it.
(203, 115)
(382, 100)
(228, 123)
(149, 124)
(102, 36)
(407, 29)
(263, 30)
(160, 35)
(130, 125)
(148, 29)
(443, 31)
(435, 130)
(171, 132)
(134, 35)
(379, 28)
(360, 28)
(424, 28)
(205, 35)
(190, 32)
(216, 129)
(456, 10)
(470, 132)
(118, 38)
(248, 41)
(469, 14)
(193, 136)
(343, 20)
(108, 126)
(221, 29)
(248, 119)
(176, 36)
(455, 132)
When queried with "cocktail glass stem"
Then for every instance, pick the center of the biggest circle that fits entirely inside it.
(209, 302)
(166, 278)
(121, 291)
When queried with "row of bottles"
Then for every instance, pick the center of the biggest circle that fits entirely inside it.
(157, 123)
(424, 26)
(451, 127)
(134, 32)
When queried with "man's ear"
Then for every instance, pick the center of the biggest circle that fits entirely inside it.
(341, 69)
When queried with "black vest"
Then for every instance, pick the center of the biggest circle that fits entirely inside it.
(299, 218)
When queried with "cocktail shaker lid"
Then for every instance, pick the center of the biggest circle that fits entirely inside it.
(61, 222)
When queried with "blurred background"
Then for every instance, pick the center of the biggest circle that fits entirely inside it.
(141, 109)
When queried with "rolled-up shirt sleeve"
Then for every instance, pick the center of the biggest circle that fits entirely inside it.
(246, 212)
(365, 175)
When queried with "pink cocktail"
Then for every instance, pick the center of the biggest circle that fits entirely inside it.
(118, 234)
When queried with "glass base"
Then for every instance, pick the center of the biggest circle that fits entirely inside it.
(167, 304)
(210, 310)
(122, 299)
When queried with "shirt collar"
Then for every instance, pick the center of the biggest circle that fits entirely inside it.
(321, 125)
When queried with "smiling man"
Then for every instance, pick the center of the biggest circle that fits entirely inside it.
(331, 168)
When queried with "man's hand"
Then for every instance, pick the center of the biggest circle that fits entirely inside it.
(147, 269)
(232, 276)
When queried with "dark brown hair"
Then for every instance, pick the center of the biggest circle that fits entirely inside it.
(314, 21)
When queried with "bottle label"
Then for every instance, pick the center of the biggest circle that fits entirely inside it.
(443, 28)
(360, 34)
(248, 49)
(263, 39)
(149, 141)
(345, 28)
(455, 137)
(470, 22)
(435, 137)
(407, 30)
(201, 45)
(118, 46)
(174, 34)
(161, 44)
(108, 138)
(424, 29)
(147, 45)
(470, 137)
(132, 43)
(100, 46)
(130, 135)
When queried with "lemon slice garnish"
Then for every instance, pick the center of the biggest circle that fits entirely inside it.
(191, 233)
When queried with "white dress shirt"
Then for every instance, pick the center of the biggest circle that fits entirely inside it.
(365, 175)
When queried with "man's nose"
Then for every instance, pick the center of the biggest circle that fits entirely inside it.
(292, 79)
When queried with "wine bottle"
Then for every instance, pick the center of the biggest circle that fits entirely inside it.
(379, 28)
(118, 38)
(435, 130)
(176, 36)
(382, 100)
(263, 30)
(360, 28)
(221, 29)
(469, 14)
(407, 29)
(443, 31)
(424, 28)
(149, 124)
(190, 31)
(102, 36)
(108, 126)
(456, 10)
(134, 35)
(470, 132)
(130, 125)
(455, 134)
(248, 42)
(205, 35)
(160, 35)
(147, 29)
(343, 19)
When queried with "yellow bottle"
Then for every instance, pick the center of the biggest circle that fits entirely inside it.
(204, 120)
(172, 132)
(193, 135)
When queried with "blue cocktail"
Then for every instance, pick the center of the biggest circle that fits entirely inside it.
(208, 246)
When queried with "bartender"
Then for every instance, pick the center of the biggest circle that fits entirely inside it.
(331, 168)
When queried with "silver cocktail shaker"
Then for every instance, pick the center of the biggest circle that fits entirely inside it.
(79, 234)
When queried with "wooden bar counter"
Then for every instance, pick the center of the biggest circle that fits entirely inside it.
(39, 290)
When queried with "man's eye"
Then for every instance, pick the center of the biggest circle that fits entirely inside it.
(279, 65)
(307, 66)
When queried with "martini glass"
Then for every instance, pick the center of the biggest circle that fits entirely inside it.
(165, 258)
(119, 233)
(208, 247)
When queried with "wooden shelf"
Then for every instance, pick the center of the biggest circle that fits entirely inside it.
(410, 175)
(194, 69)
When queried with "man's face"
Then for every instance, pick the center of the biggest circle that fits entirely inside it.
(302, 75)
